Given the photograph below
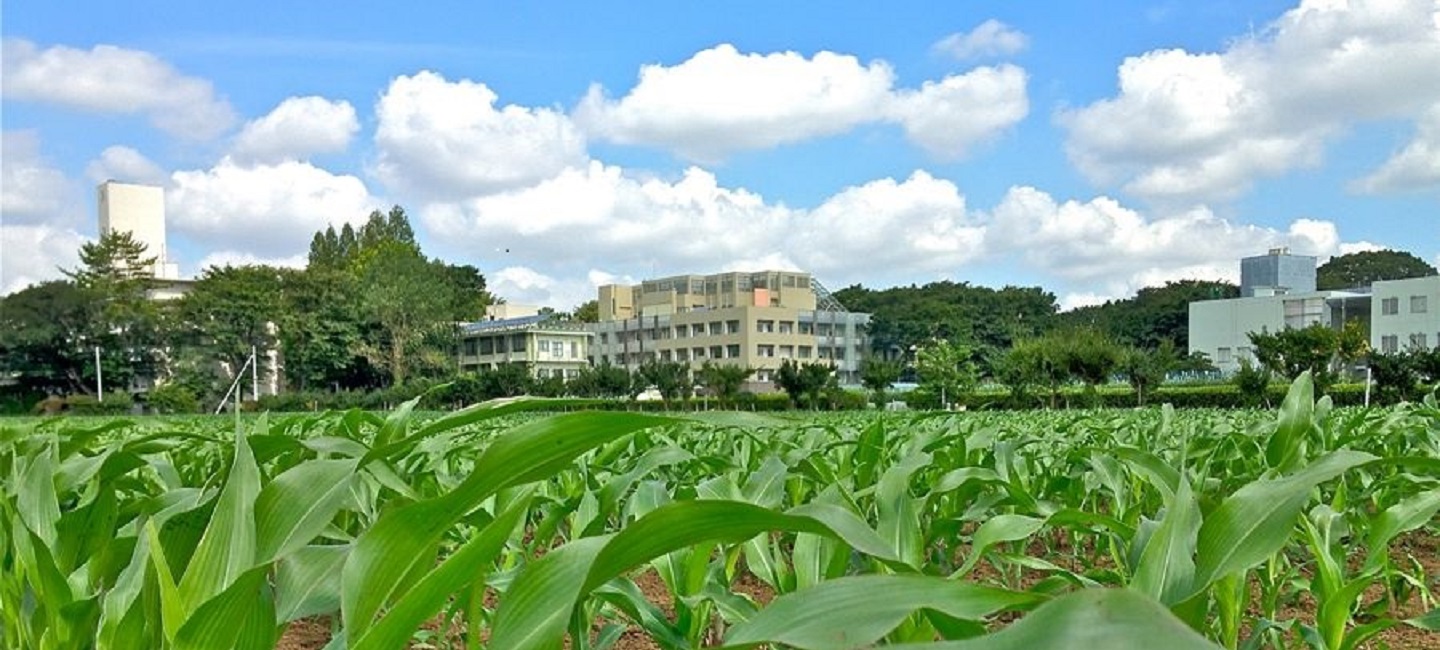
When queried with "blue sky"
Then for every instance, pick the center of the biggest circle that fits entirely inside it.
(1089, 147)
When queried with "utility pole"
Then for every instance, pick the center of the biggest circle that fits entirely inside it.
(254, 375)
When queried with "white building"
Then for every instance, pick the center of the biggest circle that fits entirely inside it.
(140, 210)
(1405, 314)
(1396, 314)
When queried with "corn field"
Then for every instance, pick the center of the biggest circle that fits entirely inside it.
(527, 524)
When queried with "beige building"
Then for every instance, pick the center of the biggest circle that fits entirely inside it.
(140, 210)
(548, 346)
(755, 320)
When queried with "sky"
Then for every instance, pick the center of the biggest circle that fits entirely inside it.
(1089, 147)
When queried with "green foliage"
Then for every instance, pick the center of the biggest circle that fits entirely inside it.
(1146, 369)
(1153, 316)
(806, 384)
(1318, 349)
(944, 367)
(44, 335)
(989, 319)
(877, 375)
(586, 312)
(172, 398)
(1362, 268)
(723, 380)
(115, 273)
(671, 379)
(604, 380)
(116, 403)
(1252, 381)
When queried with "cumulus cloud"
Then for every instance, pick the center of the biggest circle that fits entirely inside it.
(126, 165)
(448, 139)
(110, 79)
(949, 117)
(988, 39)
(36, 253)
(268, 210)
(240, 258)
(722, 101)
(1204, 126)
(31, 190)
(1416, 167)
(298, 128)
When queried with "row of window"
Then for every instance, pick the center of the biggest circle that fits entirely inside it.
(1391, 306)
(1390, 343)
(720, 328)
(487, 345)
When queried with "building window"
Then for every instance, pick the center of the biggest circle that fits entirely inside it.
(1389, 306)
(1223, 356)
(517, 343)
(604, 338)
(805, 351)
(822, 329)
(1417, 341)
(839, 354)
(697, 329)
(544, 346)
(732, 351)
(806, 328)
(682, 331)
(716, 328)
(787, 351)
(717, 352)
(683, 354)
(765, 350)
(665, 356)
(698, 353)
(732, 327)
(765, 326)
(487, 346)
(787, 327)
(1418, 304)
(1389, 344)
(574, 349)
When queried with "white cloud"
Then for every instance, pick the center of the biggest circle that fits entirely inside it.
(298, 128)
(988, 39)
(35, 253)
(1416, 167)
(447, 139)
(722, 101)
(266, 210)
(1205, 126)
(31, 191)
(126, 165)
(949, 117)
(526, 286)
(110, 79)
(240, 258)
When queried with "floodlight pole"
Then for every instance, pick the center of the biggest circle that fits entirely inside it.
(99, 381)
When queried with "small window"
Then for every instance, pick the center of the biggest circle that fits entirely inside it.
(764, 326)
(717, 352)
(765, 350)
(732, 351)
(805, 351)
(717, 328)
(732, 327)
(1418, 304)
(787, 327)
(544, 346)
(1417, 341)
(1389, 344)
(1389, 306)
(698, 353)
(1223, 355)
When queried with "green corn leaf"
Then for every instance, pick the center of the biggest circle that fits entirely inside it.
(1090, 618)
(466, 565)
(1405, 516)
(241, 617)
(172, 606)
(294, 507)
(857, 611)
(1255, 522)
(307, 582)
(1284, 449)
(1428, 621)
(227, 548)
(397, 543)
(997, 530)
(1167, 566)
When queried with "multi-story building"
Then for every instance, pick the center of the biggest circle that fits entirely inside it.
(1276, 272)
(756, 320)
(1396, 314)
(1405, 314)
(548, 346)
(139, 210)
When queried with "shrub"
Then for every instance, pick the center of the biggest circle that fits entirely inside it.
(114, 404)
(172, 398)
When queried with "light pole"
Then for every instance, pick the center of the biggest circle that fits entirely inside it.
(99, 382)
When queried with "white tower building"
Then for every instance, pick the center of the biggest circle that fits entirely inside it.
(139, 209)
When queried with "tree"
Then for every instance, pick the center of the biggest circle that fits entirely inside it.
(116, 274)
(724, 380)
(604, 380)
(670, 378)
(44, 339)
(944, 368)
(805, 382)
(877, 375)
(1320, 349)
(1035, 362)
(1396, 375)
(1153, 316)
(1253, 383)
(1146, 369)
(587, 312)
(1089, 355)
(230, 311)
(1362, 268)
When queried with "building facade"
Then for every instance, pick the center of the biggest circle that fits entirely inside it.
(549, 347)
(139, 210)
(1395, 314)
(1276, 272)
(1405, 314)
(754, 320)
